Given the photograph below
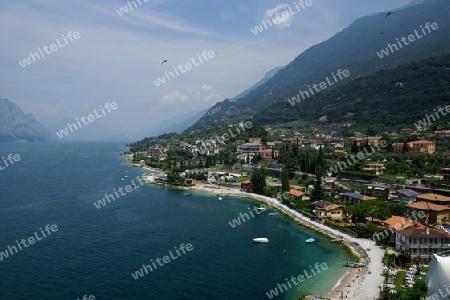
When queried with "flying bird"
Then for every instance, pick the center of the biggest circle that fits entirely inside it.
(164, 61)
(388, 14)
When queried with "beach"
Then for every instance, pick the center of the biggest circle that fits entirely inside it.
(359, 283)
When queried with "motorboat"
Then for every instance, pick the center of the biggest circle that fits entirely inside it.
(220, 198)
(262, 208)
(187, 194)
(273, 214)
(310, 240)
(260, 240)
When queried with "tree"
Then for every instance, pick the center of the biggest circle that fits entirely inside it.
(258, 181)
(174, 177)
(285, 181)
(355, 147)
(318, 193)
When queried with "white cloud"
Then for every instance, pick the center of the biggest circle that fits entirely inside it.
(205, 95)
(173, 97)
(206, 87)
(284, 18)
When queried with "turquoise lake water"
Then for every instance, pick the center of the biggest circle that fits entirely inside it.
(95, 251)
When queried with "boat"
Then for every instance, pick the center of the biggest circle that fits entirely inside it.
(263, 208)
(273, 214)
(220, 198)
(123, 179)
(260, 240)
(310, 240)
(187, 194)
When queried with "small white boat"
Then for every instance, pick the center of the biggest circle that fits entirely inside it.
(273, 214)
(220, 198)
(310, 240)
(187, 194)
(123, 179)
(260, 240)
(263, 208)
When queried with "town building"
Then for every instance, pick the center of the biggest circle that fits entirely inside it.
(422, 146)
(434, 198)
(406, 195)
(434, 214)
(422, 242)
(250, 148)
(327, 210)
(376, 168)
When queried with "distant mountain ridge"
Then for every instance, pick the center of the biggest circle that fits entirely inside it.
(15, 125)
(266, 78)
(354, 49)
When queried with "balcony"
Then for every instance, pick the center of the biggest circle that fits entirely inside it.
(427, 246)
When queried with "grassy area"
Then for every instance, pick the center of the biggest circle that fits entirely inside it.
(243, 178)
(352, 185)
(392, 176)
(400, 280)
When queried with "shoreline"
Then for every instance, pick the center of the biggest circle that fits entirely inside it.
(352, 285)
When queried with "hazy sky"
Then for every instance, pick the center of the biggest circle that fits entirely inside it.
(117, 58)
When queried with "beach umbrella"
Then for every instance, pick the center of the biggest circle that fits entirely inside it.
(392, 291)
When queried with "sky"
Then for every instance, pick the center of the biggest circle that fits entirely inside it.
(119, 55)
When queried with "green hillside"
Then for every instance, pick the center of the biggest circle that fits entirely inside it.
(355, 49)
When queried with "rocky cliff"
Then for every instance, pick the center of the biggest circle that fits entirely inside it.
(15, 125)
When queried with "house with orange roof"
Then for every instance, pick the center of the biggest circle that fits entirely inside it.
(400, 223)
(331, 211)
(268, 153)
(422, 146)
(443, 133)
(434, 198)
(296, 194)
(434, 213)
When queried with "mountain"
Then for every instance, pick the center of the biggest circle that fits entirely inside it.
(355, 49)
(266, 78)
(175, 124)
(388, 99)
(15, 125)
